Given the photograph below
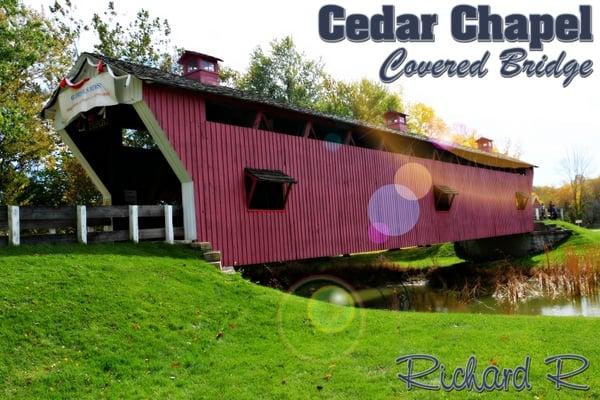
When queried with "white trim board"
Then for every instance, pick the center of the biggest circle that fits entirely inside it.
(167, 150)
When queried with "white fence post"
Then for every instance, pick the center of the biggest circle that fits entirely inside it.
(134, 231)
(14, 226)
(169, 235)
(81, 224)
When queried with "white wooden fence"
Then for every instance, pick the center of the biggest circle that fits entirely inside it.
(90, 224)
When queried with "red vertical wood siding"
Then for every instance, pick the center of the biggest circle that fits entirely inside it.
(326, 213)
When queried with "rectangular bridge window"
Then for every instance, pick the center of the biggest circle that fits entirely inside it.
(522, 200)
(267, 189)
(443, 197)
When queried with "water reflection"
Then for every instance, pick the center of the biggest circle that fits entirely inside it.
(418, 296)
(585, 307)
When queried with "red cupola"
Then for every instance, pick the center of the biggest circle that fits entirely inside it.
(396, 120)
(485, 144)
(200, 67)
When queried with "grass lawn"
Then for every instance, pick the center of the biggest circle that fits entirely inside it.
(443, 255)
(153, 321)
(581, 241)
(438, 255)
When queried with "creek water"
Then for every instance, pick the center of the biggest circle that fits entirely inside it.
(418, 296)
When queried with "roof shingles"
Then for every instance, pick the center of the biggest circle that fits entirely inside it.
(155, 75)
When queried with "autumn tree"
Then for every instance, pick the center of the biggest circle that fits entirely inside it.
(57, 178)
(576, 166)
(145, 40)
(34, 53)
(511, 148)
(591, 202)
(423, 120)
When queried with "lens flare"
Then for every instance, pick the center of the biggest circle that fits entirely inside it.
(329, 319)
(332, 314)
(396, 207)
(416, 177)
(444, 142)
(378, 233)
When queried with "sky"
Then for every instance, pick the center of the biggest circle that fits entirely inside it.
(543, 119)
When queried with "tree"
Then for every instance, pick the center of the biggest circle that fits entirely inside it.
(34, 53)
(423, 120)
(576, 166)
(283, 74)
(61, 183)
(286, 75)
(363, 100)
(591, 202)
(511, 149)
(337, 98)
(145, 40)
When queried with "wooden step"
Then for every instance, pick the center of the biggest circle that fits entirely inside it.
(212, 256)
(228, 270)
(202, 246)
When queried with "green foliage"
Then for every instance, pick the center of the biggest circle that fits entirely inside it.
(364, 100)
(153, 321)
(286, 75)
(138, 138)
(145, 40)
(34, 53)
(62, 183)
(229, 76)
(283, 74)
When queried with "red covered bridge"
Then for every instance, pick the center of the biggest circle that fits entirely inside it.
(267, 182)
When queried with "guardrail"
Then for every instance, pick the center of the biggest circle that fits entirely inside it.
(28, 225)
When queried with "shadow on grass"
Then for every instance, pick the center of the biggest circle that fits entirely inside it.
(144, 249)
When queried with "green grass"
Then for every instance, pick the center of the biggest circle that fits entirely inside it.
(582, 240)
(438, 255)
(581, 236)
(153, 321)
(443, 255)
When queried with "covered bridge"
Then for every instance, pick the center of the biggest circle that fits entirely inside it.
(266, 182)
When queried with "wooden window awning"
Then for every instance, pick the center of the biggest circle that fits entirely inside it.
(269, 175)
(446, 189)
(267, 189)
(522, 200)
(443, 197)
